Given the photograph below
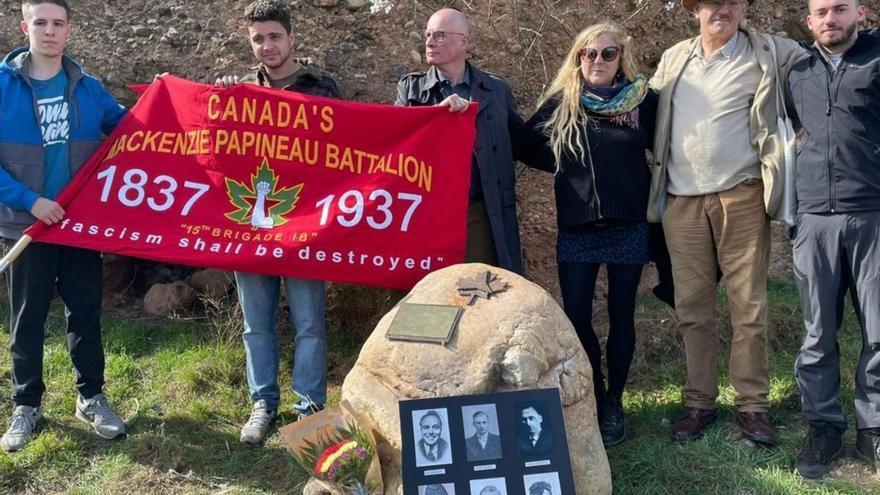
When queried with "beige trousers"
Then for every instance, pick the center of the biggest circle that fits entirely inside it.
(729, 230)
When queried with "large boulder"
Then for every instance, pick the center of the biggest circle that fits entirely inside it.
(213, 284)
(168, 299)
(518, 339)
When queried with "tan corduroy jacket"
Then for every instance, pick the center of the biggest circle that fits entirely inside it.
(762, 119)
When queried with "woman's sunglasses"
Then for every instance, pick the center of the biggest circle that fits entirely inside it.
(608, 54)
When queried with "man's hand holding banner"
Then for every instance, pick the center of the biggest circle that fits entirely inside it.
(276, 182)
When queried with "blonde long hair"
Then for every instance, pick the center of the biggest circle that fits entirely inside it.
(564, 125)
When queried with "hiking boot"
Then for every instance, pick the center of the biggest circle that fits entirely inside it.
(756, 427)
(693, 423)
(868, 447)
(613, 425)
(98, 413)
(823, 444)
(21, 429)
(254, 431)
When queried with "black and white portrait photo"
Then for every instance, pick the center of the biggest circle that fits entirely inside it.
(437, 489)
(534, 431)
(431, 431)
(542, 484)
(482, 439)
(491, 486)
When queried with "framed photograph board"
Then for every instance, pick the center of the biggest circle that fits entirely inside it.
(509, 443)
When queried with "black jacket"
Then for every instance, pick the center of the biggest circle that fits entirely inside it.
(616, 187)
(497, 118)
(838, 161)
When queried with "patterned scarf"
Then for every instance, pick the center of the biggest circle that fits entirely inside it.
(619, 102)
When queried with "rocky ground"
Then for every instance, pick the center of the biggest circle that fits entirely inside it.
(128, 41)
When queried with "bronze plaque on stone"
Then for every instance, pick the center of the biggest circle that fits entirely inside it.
(424, 323)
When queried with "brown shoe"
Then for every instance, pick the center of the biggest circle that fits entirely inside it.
(757, 428)
(692, 423)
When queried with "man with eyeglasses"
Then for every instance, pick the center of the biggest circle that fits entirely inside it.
(452, 81)
(716, 182)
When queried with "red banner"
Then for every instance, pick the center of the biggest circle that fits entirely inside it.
(276, 182)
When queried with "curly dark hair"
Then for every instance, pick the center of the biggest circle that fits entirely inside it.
(268, 10)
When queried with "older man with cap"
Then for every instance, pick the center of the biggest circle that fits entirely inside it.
(716, 184)
(493, 231)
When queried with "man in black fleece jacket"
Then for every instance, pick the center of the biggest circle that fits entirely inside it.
(834, 94)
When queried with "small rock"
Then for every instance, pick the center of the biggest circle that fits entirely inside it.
(326, 3)
(212, 283)
(171, 32)
(142, 31)
(516, 48)
(356, 4)
(166, 299)
(152, 21)
(332, 61)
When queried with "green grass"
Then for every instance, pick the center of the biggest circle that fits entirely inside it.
(182, 393)
(722, 461)
(180, 386)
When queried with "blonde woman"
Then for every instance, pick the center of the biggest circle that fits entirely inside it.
(591, 130)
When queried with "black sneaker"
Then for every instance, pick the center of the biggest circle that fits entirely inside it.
(823, 444)
(612, 424)
(868, 447)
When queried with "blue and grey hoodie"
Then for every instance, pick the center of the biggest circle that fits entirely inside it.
(94, 112)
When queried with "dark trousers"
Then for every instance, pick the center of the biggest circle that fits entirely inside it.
(578, 284)
(33, 279)
(834, 254)
(480, 247)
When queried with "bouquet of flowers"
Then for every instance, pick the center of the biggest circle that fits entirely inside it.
(337, 451)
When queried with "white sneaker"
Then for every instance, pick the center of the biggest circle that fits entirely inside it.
(98, 413)
(254, 431)
(21, 429)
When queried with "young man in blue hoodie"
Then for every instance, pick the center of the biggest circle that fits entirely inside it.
(52, 117)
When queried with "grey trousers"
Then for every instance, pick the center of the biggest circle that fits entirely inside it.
(834, 253)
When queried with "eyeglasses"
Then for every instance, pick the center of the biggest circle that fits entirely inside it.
(440, 36)
(608, 54)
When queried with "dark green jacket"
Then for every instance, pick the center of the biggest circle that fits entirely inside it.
(497, 120)
(308, 80)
